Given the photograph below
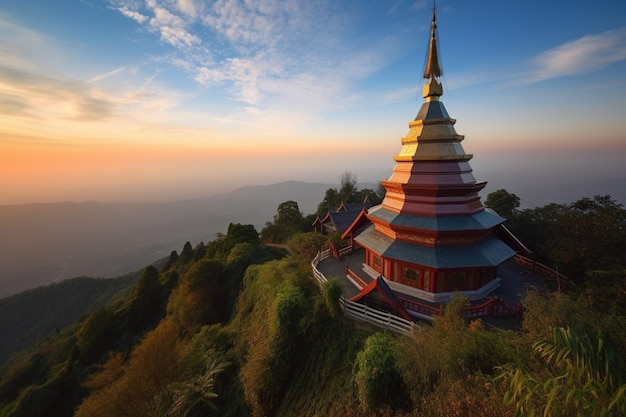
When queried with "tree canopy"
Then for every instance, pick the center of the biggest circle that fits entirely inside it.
(503, 202)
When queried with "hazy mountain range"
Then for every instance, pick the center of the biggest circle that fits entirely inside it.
(43, 243)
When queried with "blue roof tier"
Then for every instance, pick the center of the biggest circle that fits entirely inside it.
(490, 251)
(482, 220)
(343, 219)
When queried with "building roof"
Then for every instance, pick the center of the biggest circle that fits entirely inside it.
(343, 219)
(489, 251)
(380, 287)
(354, 206)
(482, 220)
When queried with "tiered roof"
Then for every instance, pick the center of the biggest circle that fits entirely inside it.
(432, 214)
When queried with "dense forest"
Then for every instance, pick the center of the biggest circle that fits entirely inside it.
(237, 327)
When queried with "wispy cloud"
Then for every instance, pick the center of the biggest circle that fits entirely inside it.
(584, 55)
(587, 54)
(263, 49)
(30, 90)
(136, 16)
(37, 95)
(107, 75)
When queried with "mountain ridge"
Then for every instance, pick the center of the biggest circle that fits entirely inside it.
(48, 242)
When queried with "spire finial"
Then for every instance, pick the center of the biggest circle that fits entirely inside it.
(433, 89)
(433, 67)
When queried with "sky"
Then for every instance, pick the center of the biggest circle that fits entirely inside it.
(150, 100)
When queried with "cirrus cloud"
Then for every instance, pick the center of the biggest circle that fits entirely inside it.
(581, 56)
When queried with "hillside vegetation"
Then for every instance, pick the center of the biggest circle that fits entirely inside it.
(32, 315)
(237, 328)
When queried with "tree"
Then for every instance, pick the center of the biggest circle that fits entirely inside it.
(503, 202)
(589, 234)
(370, 195)
(94, 337)
(348, 186)
(347, 193)
(242, 233)
(288, 220)
(147, 300)
(202, 295)
(332, 291)
(186, 255)
(171, 261)
(376, 374)
(331, 201)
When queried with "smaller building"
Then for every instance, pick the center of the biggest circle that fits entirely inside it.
(339, 220)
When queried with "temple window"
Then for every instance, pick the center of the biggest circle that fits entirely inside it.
(410, 273)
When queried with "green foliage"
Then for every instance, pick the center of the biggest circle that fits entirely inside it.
(241, 256)
(195, 395)
(145, 387)
(376, 374)
(580, 380)
(307, 245)
(272, 294)
(544, 311)
(33, 315)
(186, 255)
(242, 233)
(277, 348)
(332, 292)
(22, 373)
(348, 183)
(449, 366)
(201, 297)
(147, 300)
(587, 235)
(348, 193)
(94, 336)
(287, 311)
(332, 200)
(171, 261)
(199, 251)
(503, 202)
(606, 291)
(288, 220)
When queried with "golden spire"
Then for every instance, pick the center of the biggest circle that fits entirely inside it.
(433, 89)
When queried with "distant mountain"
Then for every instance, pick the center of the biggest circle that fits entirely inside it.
(32, 315)
(43, 243)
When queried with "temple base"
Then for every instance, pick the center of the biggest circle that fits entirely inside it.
(439, 297)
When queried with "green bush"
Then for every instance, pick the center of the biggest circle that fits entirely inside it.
(376, 374)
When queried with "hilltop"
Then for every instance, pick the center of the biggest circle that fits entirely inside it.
(233, 327)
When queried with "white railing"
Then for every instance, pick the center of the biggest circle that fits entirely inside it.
(361, 312)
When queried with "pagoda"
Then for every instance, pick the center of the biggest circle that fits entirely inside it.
(431, 236)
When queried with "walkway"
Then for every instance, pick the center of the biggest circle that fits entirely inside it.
(333, 268)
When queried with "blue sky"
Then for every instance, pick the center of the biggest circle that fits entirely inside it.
(159, 99)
